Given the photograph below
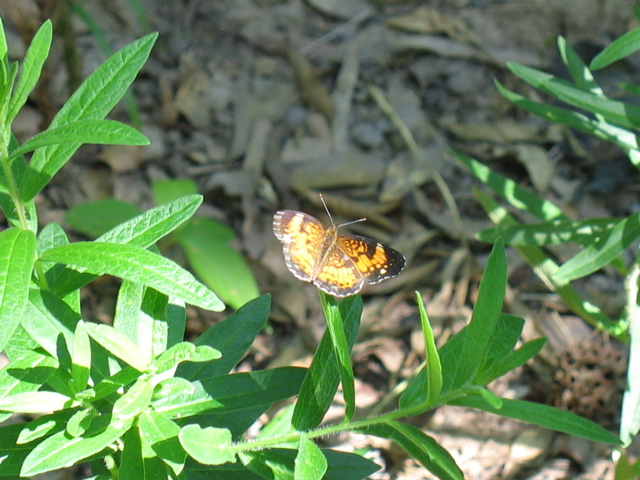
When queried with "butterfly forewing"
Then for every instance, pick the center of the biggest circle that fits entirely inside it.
(302, 237)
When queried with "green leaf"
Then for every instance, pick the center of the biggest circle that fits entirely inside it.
(550, 233)
(47, 318)
(97, 217)
(80, 358)
(162, 435)
(335, 325)
(426, 386)
(149, 227)
(17, 256)
(227, 393)
(596, 256)
(137, 265)
(322, 378)
(133, 462)
(232, 337)
(80, 421)
(484, 318)
(165, 191)
(11, 464)
(310, 463)
(421, 447)
(630, 415)
(41, 427)
(34, 402)
(97, 95)
(26, 373)
(546, 268)
(117, 344)
(34, 59)
(622, 114)
(134, 401)
(512, 361)
(221, 267)
(543, 416)
(511, 191)
(279, 463)
(101, 132)
(61, 450)
(183, 352)
(207, 445)
(143, 231)
(617, 50)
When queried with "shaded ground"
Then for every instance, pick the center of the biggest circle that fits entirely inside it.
(266, 103)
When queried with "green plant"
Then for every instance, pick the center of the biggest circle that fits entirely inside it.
(133, 399)
(602, 240)
(204, 240)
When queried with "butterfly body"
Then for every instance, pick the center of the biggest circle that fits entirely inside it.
(340, 265)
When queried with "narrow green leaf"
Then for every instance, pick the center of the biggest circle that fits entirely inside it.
(34, 402)
(426, 386)
(80, 358)
(26, 373)
(47, 318)
(117, 344)
(41, 427)
(80, 421)
(550, 233)
(207, 445)
(34, 59)
(546, 268)
(577, 68)
(511, 192)
(53, 235)
(227, 393)
(485, 315)
(137, 265)
(595, 257)
(543, 416)
(310, 463)
(61, 450)
(512, 361)
(322, 379)
(134, 401)
(421, 447)
(630, 415)
(17, 256)
(97, 95)
(101, 132)
(617, 50)
(143, 231)
(232, 338)
(149, 227)
(620, 113)
(335, 325)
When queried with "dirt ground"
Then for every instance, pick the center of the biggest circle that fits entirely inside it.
(265, 103)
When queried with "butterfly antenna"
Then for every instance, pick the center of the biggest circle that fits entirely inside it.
(331, 218)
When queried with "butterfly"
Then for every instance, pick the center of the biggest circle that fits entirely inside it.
(337, 264)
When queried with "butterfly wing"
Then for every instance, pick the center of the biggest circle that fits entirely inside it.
(373, 260)
(338, 274)
(303, 241)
